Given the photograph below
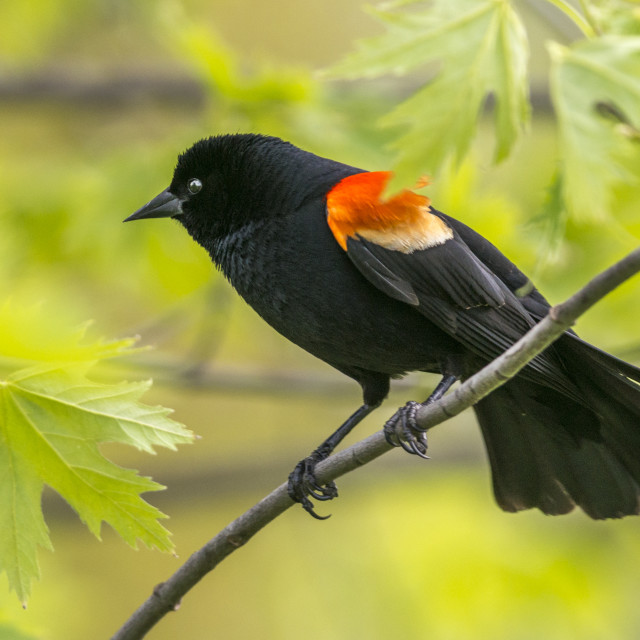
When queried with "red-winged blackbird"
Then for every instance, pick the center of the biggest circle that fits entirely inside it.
(377, 288)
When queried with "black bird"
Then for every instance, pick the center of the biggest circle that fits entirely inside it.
(377, 288)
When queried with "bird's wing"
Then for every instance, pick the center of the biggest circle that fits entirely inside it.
(517, 282)
(420, 257)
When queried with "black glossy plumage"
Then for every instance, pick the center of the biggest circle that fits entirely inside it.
(565, 431)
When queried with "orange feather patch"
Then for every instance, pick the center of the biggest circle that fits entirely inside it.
(404, 222)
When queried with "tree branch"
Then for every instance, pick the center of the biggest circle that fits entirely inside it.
(166, 596)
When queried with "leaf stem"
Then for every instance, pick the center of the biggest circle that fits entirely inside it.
(586, 10)
(582, 22)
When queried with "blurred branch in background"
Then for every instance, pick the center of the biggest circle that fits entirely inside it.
(66, 85)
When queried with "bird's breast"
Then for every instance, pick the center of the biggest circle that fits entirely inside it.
(307, 289)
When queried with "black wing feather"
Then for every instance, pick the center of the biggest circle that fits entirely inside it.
(460, 293)
(516, 281)
(381, 276)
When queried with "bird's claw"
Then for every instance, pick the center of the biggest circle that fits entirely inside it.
(402, 430)
(303, 483)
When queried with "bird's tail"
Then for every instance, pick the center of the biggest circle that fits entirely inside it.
(551, 452)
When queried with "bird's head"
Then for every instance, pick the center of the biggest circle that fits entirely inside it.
(224, 182)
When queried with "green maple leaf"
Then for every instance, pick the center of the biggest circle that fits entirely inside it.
(480, 48)
(52, 421)
(596, 93)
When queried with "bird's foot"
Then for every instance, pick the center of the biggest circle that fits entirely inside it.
(402, 430)
(303, 483)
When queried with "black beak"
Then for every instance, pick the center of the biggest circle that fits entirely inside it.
(164, 205)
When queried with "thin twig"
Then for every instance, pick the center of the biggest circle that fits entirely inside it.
(166, 596)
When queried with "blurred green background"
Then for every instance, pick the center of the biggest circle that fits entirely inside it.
(96, 100)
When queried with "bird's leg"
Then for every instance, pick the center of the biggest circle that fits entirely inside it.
(402, 429)
(302, 480)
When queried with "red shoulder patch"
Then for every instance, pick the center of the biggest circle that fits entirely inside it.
(404, 222)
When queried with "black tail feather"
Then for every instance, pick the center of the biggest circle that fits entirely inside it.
(551, 452)
(612, 387)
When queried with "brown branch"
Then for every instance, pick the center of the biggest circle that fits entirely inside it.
(166, 596)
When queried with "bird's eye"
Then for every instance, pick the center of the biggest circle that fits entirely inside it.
(194, 185)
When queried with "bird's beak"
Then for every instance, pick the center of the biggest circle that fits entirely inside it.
(164, 205)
